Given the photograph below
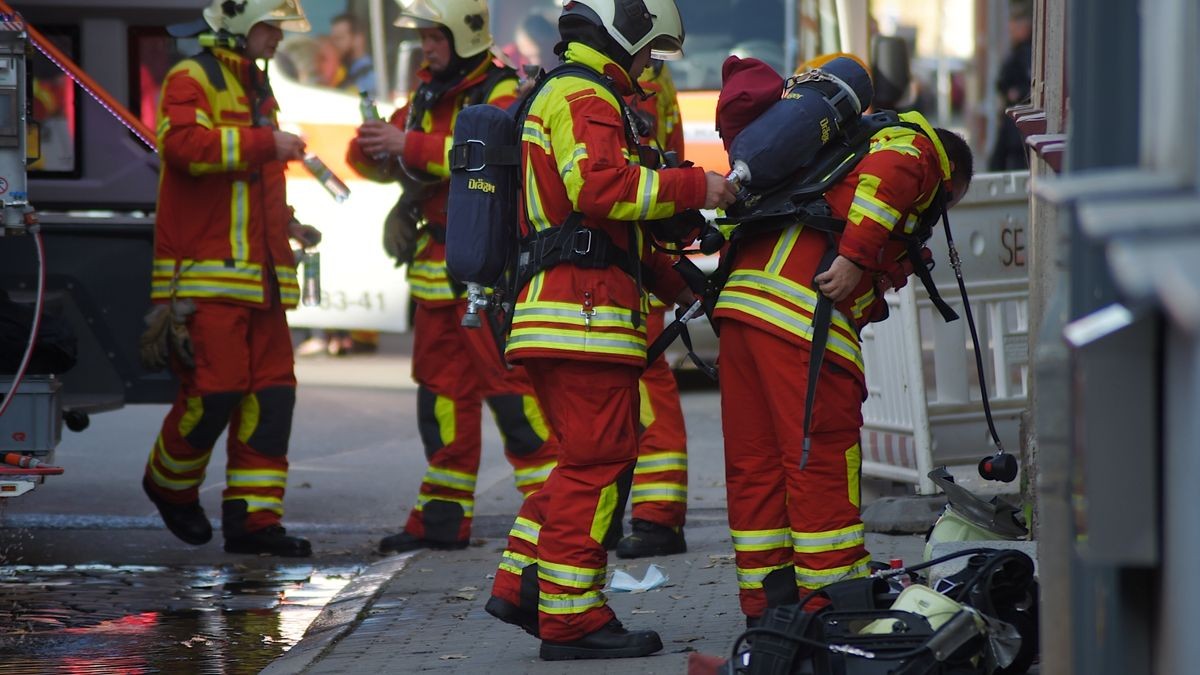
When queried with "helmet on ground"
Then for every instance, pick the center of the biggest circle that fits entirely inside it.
(467, 21)
(237, 17)
(635, 24)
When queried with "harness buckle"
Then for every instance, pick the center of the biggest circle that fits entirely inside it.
(587, 243)
(467, 155)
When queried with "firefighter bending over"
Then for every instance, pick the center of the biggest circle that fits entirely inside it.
(224, 268)
(456, 368)
(579, 327)
(795, 522)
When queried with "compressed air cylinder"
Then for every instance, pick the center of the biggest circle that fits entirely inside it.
(814, 110)
(481, 218)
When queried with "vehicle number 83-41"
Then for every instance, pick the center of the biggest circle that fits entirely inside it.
(341, 301)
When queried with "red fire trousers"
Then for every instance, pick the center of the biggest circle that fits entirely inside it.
(456, 370)
(593, 410)
(243, 380)
(793, 530)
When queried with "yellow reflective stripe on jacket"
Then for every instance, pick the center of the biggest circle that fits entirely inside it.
(814, 578)
(736, 297)
(661, 461)
(429, 281)
(751, 578)
(590, 342)
(658, 492)
(239, 220)
(572, 314)
(867, 205)
(525, 529)
(571, 577)
(537, 216)
(208, 279)
(270, 478)
(829, 540)
(289, 285)
(761, 540)
(569, 603)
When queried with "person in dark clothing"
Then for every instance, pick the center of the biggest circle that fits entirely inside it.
(1014, 84)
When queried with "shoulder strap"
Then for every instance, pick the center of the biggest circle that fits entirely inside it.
(494, 76)
(212, 69)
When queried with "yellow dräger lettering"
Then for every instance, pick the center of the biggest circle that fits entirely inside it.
(480, 184)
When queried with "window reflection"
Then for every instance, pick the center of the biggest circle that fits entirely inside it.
(54, 98)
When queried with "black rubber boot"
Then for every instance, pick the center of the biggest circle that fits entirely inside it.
(272, 540)
(610, 642)
(651, 539)
(512, 614)
(403, 542)
(186, 521)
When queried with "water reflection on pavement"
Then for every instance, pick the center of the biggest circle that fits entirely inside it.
(138, 619)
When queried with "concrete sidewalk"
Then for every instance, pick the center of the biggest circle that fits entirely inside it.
(424, 612)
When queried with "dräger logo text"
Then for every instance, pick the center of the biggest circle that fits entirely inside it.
(481, 185)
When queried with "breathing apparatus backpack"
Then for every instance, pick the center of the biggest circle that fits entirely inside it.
(484, 246)
(979, 621)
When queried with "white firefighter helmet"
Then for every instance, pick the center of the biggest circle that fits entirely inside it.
(635, 24)
(237, 17)
(467, 21)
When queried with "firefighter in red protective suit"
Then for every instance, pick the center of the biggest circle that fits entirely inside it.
(799, 528)
(659, 484)
(221, 246)
(579, 325)
(456, 368)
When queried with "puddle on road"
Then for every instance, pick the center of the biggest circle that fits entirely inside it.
(104, 619)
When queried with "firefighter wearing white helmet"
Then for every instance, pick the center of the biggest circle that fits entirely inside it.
(634, 24)
(466, 20)
(579, 325)
(237, 18)
(224, 267)
(457, 369)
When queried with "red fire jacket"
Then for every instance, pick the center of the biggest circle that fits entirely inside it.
(771, 284)
(221, 230)
(576, 158)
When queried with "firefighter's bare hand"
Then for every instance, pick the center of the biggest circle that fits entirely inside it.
(720, 192)
(307, 235)
(288, 146)
(376, 138)
(837, 282)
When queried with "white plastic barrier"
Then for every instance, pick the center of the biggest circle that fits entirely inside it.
(923, 406)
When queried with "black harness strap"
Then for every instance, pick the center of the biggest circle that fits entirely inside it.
(822, 318)
(212, 68)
